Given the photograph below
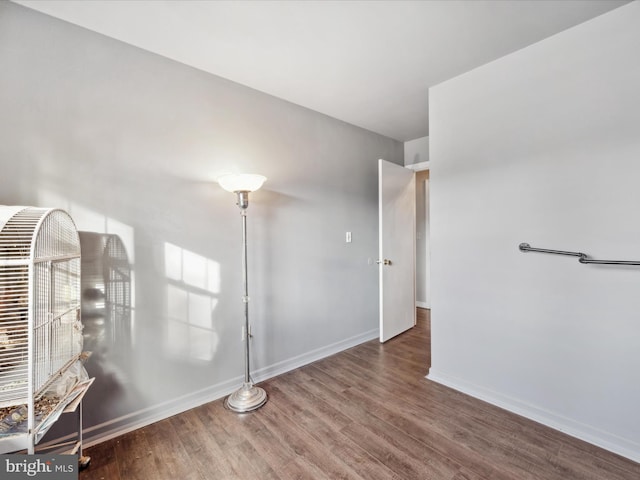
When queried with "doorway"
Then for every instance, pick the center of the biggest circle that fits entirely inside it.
(404, 231)
(423, 253)
(423, 260)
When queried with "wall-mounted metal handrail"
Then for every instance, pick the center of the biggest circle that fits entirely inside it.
(525, 247)
(582, 257)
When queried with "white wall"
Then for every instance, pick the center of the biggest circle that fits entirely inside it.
(130, 143)
(543, 146)
(416, 151)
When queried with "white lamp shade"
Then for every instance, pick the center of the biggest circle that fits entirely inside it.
(242, 182)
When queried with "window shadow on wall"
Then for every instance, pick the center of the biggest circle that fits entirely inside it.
(107, 316)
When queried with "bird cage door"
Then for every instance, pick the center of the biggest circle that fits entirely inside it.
(57, 330)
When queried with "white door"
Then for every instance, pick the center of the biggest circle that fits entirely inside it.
(397, 206)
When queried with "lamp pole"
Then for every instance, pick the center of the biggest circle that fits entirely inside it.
(248, 397)
(245, 298)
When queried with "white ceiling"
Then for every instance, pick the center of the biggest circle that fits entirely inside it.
(369, 63)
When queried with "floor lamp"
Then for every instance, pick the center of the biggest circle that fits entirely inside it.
(248, 397)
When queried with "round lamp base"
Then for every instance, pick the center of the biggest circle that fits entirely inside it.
(246, 399)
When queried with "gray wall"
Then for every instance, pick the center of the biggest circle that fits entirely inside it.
(542, 146)
(130, 144)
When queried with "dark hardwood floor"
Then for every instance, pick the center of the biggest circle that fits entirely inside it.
(366, 413)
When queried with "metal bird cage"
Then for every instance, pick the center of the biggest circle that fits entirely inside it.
(40, 328)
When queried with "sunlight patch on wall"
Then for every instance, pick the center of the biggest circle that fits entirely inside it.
(193, 282)
(192, 269)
